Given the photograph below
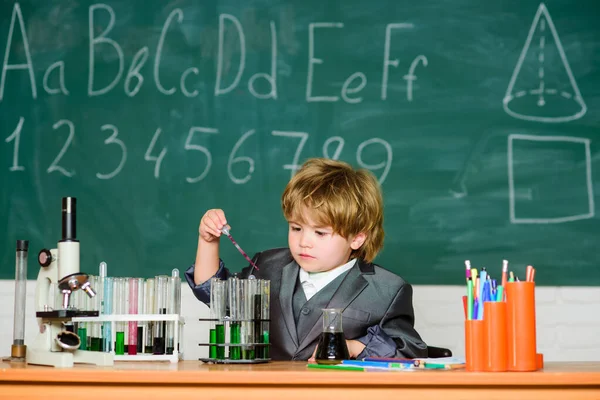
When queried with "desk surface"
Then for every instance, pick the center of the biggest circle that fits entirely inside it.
(294, 380)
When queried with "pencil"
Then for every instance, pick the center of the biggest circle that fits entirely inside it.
(335, 366)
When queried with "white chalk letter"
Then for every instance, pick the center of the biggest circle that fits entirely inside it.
(61, 78)
(361, 85)
(134, 71)
(312, 60)
(5, 65)
(386, 55)
(238, 26)
(272, 79)
(101, 39)
(410, 77)
(159, 48)
(184, 90)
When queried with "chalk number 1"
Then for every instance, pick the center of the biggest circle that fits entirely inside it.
(16, 136)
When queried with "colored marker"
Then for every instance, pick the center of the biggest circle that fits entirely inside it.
(529, 274)
(393, 360)
(500, 293)
(469, 299)
(336, 366)
(467, 269)
(504, 272)
(482, 279)
(378, 364)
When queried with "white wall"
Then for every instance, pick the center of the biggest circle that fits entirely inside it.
(568, 320)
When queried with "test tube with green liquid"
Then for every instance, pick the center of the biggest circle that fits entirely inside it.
(247, 331)
(120, 301)
(212, 338)
(80, 303)
(265, 289)
(218, 303)
(256, 286)
(234, 314)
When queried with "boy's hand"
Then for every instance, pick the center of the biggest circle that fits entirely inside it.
(354, 348)
(312, 358)
(211, 224)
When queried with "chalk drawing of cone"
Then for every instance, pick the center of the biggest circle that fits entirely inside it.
(542, 87)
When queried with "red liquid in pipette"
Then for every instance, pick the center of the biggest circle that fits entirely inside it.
(237, 246)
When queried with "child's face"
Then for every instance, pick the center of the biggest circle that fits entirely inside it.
(316, 248)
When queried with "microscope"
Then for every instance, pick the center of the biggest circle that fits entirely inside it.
(59, 270)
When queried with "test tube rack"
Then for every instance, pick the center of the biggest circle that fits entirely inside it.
(114, 318)
(230, 345)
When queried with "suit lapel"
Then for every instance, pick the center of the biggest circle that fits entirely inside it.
(289, 275)
(350, 287)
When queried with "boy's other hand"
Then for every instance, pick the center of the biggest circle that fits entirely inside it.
(354, 348)
(211, 224)
(312, 358)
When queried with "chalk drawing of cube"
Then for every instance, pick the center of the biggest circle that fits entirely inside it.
(549, 179)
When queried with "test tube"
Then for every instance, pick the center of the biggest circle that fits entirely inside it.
(149, 309)
(234, 314)
(173, 308)
(212, 353)
(133, 310)
(119, 307)
(94, 334)
(80, 303)
(102, 269)
(107, 305)
(160, 300)
(18, 349)
(265, 288)
(247, 334)
(218, 303)
(125, 312)
(141, 285)
(257, 316)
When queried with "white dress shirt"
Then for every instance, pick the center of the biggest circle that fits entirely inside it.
(312, 282)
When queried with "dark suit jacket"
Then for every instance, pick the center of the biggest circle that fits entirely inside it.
(377, 308)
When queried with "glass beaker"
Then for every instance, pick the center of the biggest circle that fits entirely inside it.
(332, 348)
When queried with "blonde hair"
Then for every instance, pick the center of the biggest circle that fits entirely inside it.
(339, 196)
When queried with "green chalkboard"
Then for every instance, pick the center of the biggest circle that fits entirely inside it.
(479, 118)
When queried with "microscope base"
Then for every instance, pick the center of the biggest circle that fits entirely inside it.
(59, 359)
(66, 359)
(45, 351)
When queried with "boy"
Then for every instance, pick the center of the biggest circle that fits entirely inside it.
(335, 216)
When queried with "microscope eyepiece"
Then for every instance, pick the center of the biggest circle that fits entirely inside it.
(69, 219)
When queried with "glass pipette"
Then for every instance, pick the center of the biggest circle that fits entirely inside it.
(225, 231)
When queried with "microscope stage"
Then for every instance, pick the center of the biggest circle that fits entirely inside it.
(66, 314)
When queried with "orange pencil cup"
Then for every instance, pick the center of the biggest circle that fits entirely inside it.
(494, 336)
(474, 345)
(520, 326)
